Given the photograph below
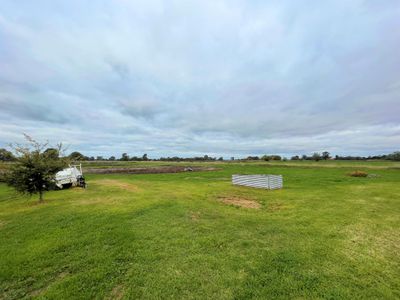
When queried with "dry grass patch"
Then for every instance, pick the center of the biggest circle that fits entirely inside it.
(2, 223)
(119, 184)
(43, 290)
(104, 201)
(361, 242)
(240, 202)
(272, 207)
(194, 215)
(117, 292)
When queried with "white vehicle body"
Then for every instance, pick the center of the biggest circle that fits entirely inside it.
(68, 176)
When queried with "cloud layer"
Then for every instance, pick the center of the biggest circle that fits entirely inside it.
(195, 77)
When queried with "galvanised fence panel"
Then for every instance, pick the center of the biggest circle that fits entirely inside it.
(259, 181)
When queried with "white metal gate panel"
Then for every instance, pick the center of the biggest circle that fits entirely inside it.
(259, 181)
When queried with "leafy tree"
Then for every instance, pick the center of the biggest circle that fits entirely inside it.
(326, 155)
(316, 156)
(124, 157)
(252, 157)
(35, 169)
(144, 157)
(112, 158)
(394, 156)
(76, 156)
(6, 155)
(52, 152)
(296, 157)
(276, 157)
(99, 158)
(221, 158)
(271, 157)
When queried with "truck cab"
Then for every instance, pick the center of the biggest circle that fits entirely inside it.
(71, 176)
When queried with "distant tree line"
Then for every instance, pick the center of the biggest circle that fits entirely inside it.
(77, 156)
(395, 156)
(316, 156)
(6, 155)
(196, 158)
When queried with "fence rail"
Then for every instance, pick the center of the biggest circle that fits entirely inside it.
(259, 181)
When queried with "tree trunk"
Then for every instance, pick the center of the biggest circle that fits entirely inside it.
(40, 196)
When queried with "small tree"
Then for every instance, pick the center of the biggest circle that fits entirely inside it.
(326, 155)
(265, 157)
(394, 156)
(35, 169)
(76, 156)
(124, 157)
(276, 157)
(52, 153)
(316, 156)
(6, 155)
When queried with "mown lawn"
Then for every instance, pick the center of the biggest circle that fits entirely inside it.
(325, 235)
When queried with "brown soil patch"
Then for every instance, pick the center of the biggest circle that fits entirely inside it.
(117, 183)
(149, 170)
(241, 202)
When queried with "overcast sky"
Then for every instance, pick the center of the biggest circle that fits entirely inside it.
(229, 78)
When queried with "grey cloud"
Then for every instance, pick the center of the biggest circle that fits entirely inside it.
(141, 108)
(211, 76)
(11, 108)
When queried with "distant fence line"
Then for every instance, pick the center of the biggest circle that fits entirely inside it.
(259, 181)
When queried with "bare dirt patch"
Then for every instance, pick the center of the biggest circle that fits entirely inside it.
(240, 202)
(119, 184)
(147, 170)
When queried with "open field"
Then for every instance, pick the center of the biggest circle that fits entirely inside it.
(194, 235)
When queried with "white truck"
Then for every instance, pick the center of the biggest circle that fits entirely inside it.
(71, 176)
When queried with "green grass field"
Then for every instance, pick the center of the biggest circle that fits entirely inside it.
(173, 236)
